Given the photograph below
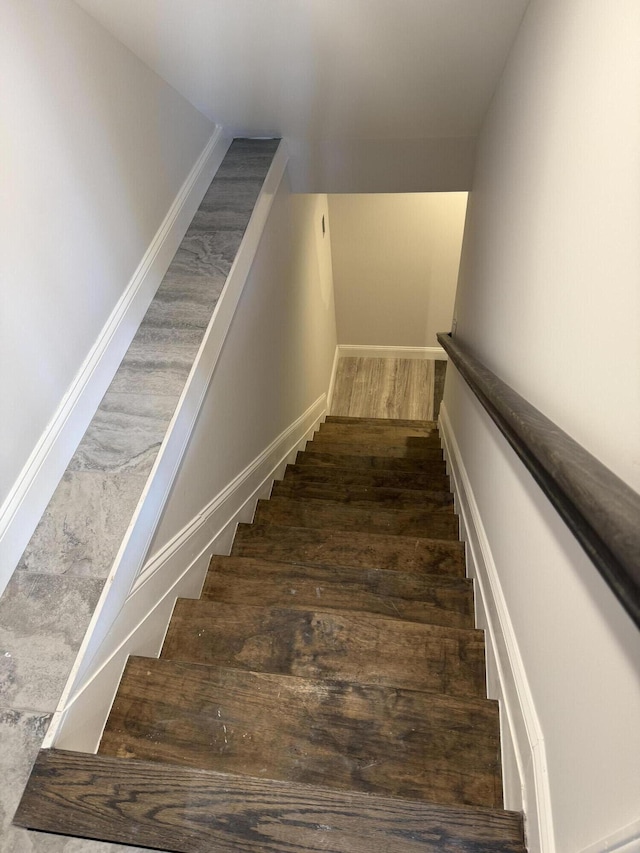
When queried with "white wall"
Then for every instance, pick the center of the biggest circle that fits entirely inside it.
(395, 266)
(95, 147)
(429, 165)
(276, 361)
(548, 298)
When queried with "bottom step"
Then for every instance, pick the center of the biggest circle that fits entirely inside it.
(198, 811)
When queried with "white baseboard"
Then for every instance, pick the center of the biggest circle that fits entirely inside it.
(32, 491)
(176, 570)
(524, 756)
(624, 840)
(358, 351)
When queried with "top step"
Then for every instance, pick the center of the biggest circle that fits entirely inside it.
(339, 419)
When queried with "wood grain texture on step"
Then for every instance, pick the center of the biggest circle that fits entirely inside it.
(197, 811)
(345, 433)
(434, 599)
(353, 737)
(358, 461)
(316, 547)
(367, 496)
(308, 471)
(400, 422)
(384, 387)
(325, 514)
(338, 645)
(412, 448)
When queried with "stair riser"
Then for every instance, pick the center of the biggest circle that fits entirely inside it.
(409, 451)
(395, 436)
(318, 514)
(364, 497)
(373, 463)
(354, 550)
(369, 478)
(436, 605)
(451, 610)
(383, 422)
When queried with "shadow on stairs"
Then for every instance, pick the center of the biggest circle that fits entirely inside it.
(325, 693)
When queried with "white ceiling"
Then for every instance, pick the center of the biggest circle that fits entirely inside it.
(325, 69)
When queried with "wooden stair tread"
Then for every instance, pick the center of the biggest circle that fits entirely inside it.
(314, 472)
(308, 512)
(439, 600)
(314, 546)
(187, 810)
(326, 692)
(436, 501)
(411, 449)
(343, 419)
(380, 426)
(345, 736)
(328, 644)
(370, 463)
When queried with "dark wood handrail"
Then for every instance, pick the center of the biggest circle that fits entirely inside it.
(599, 508)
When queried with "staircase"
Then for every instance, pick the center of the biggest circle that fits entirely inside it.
(326, 692)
